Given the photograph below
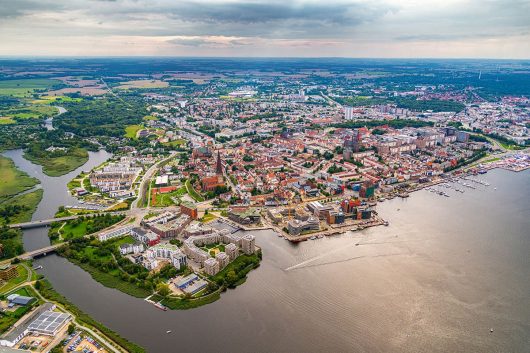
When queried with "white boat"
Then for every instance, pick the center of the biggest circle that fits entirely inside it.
(168, 331)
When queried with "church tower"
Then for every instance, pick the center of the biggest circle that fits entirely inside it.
(219, 165)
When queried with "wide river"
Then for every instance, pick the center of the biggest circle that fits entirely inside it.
(445, 272)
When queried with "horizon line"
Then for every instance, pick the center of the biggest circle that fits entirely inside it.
(13, 56)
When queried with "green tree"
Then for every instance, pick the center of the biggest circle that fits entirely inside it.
(162, 289)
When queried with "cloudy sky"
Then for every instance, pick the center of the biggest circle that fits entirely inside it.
(295, 28)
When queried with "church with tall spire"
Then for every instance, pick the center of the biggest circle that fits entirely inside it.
(219, 165)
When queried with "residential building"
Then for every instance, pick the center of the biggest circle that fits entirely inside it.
(248, 244)
(211, 266)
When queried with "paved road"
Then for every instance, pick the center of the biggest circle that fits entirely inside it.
(146, 178)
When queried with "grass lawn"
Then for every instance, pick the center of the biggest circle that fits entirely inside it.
(491, 160)
(164, 200)
(183, 304)
(208, 218)
(511, 147)
(57, 166)
(12, 283)
(150, 117)
(13, 180)
(175, 143)
(131, 130)
(70, 231)
(25, 87)
(194, 194)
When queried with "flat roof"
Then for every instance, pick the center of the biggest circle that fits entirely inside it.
(195, 287)
(48, 322)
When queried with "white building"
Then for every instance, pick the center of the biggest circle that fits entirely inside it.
(130, 248)
(211, 266)
(248, 244)
(232, 251)
(114, 233)
(223, 259)
(348, 113)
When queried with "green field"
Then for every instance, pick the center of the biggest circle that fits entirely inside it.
(164, 200)
(57, 166)
(175, 143)
(131, 130)
(56, 99)
(208, 218)
(13, 180)
(30, 112)
(25, 87)
(5, 120)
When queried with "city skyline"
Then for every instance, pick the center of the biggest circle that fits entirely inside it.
(382, 29)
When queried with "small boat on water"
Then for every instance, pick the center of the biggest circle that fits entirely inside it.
(160, 306)
(168, 331)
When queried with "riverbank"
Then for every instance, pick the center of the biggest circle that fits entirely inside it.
(18, 201)
(48, 292)
(107, 266)
(12, 180)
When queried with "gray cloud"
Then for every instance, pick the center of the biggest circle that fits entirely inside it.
(18, 8)
(246, 24)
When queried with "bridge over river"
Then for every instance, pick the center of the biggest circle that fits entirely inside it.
(41, 223)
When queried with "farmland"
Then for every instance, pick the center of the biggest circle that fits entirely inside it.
(25, 87)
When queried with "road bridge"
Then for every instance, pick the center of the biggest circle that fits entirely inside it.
(41, 223)
(39, 252)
